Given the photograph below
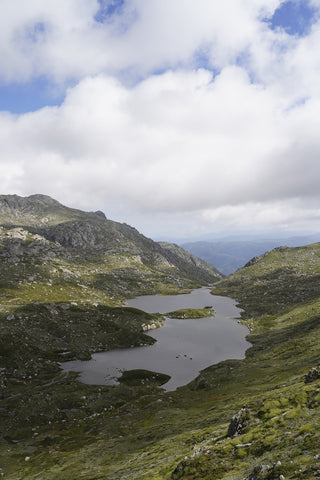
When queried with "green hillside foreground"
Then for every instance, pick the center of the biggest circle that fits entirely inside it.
(55, 427)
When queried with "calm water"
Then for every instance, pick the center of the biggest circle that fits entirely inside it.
(183, 347)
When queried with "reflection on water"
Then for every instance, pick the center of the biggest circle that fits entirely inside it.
(183, 347)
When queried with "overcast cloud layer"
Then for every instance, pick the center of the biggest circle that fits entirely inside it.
(179, 117)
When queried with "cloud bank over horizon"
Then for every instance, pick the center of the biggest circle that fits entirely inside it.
(179, 118)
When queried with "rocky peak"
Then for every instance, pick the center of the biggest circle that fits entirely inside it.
(92, 235)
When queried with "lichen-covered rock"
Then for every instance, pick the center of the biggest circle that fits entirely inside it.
(260, 472)
(265, 472)
(238, 422)
(178, 471)
(312, 375)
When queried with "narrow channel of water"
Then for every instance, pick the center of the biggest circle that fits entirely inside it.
(183, 347)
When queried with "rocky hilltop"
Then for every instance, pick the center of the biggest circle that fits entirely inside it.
(38, 210)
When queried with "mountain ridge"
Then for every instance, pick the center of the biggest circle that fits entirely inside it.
(78, 235)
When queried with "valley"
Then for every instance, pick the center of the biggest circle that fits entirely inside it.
(65, 276)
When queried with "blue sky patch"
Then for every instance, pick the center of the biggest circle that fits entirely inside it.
(294, 16)
(107, 9)
(201, 59)
(28, 97)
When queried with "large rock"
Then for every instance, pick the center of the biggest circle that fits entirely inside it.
(238, 422)
(312, 375)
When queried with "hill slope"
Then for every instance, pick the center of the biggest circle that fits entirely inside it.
(76, 251)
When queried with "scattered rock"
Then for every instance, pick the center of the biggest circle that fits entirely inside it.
(265, 472)
(64, 306)
(259, 472)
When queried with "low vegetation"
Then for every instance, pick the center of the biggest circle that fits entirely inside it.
(252, 419)
(191, 313)
(142, 377)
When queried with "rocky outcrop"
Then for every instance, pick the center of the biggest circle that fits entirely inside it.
(101, 214)
(145, 327)
(265, 472)
(263, 255)
(239, 422)
(255, 260)
(312, 375)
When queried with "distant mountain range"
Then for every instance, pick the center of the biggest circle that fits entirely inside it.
(229, 255)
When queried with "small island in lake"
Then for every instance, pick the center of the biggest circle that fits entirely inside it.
(138, 377)
(191, 313)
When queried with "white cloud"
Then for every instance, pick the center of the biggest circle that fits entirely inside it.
(236, 148)
(272, 217)
(54, 38)
(62, 39)
(181, 141)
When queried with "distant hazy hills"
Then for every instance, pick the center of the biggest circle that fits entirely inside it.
(228, 256)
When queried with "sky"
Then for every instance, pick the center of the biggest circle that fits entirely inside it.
(180, 118)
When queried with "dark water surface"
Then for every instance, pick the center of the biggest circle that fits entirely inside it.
(183, 347)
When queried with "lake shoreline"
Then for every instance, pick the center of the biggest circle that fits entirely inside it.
(182, 348)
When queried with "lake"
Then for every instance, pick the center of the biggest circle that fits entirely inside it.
(183, 347)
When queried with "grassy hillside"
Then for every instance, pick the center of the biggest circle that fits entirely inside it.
(54, 427)
(85, 256)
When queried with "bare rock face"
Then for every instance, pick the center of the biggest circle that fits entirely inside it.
(101, 214)
(73, 234)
